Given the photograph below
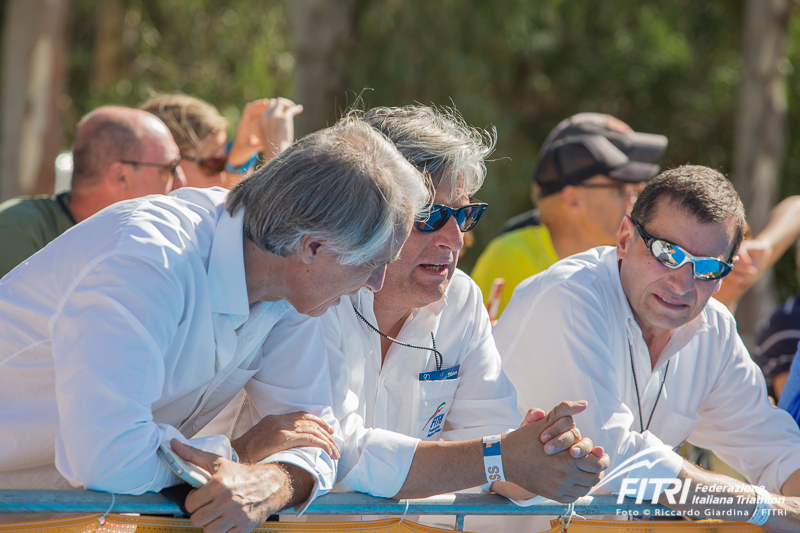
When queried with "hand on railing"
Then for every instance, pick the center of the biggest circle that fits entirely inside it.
(547, 456)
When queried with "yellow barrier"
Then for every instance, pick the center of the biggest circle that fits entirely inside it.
(578, 525)
(114, 523)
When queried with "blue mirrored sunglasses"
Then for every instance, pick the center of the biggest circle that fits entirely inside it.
(467, 217)
(673, 256)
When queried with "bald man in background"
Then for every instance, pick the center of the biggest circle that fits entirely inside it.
(118, 154)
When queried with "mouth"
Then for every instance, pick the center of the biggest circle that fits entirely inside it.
(434, 267)
(671, 304)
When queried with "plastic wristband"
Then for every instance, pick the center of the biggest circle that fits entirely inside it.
(763, 508)
(492, 461)
(243, 168)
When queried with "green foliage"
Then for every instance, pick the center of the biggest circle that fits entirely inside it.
(663, 67)
(225, 52)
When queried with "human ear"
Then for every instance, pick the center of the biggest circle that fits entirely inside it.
(625, 237)
(310, 248)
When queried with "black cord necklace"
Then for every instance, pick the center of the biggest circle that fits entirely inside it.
(436, 353)
(636, 385)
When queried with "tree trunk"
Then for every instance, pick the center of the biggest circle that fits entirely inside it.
(761, 135)
(322, 30)
(35, 43)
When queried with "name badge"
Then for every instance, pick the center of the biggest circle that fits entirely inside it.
(440, 375)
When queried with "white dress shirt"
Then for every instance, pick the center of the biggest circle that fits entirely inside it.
(569, 333)
(385, 410)
(134, 328)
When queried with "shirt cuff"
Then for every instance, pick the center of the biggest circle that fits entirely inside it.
(383, 464)
(315, 462)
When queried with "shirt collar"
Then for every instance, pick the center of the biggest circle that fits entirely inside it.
(226, 278)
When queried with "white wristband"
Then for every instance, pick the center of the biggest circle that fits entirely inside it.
(492, 461)
(763, 507)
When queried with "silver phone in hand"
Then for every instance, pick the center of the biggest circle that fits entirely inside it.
(191, 474)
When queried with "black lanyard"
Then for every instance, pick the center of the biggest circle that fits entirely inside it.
(436, 353)
(636, 385)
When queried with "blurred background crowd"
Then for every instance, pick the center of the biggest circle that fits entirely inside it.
(715, 77)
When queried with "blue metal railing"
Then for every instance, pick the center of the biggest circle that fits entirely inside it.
(335, 503)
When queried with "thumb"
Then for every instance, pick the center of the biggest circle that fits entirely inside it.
(296, 110)
(533, 415)
(197, 457)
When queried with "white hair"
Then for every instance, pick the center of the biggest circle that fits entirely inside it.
(438, 142)
(347, 184)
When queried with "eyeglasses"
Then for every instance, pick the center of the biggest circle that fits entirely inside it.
(621, 186)
(466, 216)
(210, 165)
(673, 256)
(172, 167)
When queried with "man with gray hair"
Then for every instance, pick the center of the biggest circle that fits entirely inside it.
(118, 154)
(163, 308)
(415, 362)
(634, 329)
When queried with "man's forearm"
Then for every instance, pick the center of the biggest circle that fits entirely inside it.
(442, 466)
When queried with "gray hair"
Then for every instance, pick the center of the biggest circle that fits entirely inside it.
(438, 142)
(347, 184)
(701, 191)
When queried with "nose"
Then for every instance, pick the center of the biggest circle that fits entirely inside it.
(178, 179)
(375, 280)
(449, 236)
(681, 280)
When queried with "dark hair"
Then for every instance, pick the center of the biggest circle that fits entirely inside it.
(701, 191)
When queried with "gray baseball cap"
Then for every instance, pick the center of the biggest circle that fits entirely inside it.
(574, 159)
(644, 147)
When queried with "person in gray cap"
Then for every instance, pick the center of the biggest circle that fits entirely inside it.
(589, 171)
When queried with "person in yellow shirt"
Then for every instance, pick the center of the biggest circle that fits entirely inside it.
(590, 169)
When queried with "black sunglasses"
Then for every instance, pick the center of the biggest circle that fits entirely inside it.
(171, 167)
(467, 217)
(673, 256)
(210, 165)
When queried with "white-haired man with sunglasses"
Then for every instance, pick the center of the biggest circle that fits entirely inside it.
(418, 386)
(633, 329)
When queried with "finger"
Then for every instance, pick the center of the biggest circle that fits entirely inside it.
(320, 433)
(269, 110)
(591, 464)
(567, 408)
(205, 460)
(582, 448)
(316, 441)
(562, 425)
(597, 451)
(564, 441)
(211, 524)
(578, 491)
(534, 414)
(306, 432)
(317, 420)
(294, 111)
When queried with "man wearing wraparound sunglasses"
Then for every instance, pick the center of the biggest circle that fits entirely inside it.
(415, 362)
(633, 329)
